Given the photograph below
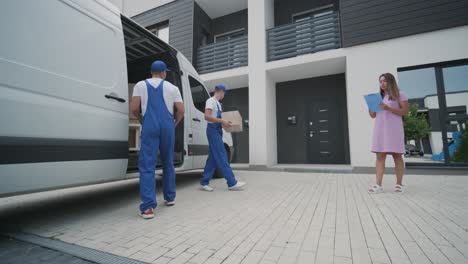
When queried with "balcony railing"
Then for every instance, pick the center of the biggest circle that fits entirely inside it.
(223, 55)
(309, 36)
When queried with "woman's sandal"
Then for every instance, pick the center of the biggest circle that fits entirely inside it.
(399, 189)
(375, 189)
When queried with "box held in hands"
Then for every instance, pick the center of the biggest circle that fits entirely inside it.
(236, 121)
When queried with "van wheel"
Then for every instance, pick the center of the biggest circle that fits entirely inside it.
(218, 174)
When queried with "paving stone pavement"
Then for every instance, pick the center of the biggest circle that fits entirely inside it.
(280, 218)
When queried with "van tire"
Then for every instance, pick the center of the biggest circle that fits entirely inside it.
(218, 174)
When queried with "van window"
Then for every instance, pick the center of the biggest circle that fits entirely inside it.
(199, 94)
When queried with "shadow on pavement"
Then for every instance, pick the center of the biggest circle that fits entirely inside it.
(85, 200)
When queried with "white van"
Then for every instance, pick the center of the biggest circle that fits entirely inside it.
(66, 73)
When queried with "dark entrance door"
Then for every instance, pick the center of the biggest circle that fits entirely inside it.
(312, 121)
(324, 132)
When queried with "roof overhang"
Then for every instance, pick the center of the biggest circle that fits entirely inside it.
(219, 8)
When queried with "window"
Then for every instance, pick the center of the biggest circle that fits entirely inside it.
(439, 94)
(233, 49)
(199, 94)
(205, 37)
(161, 30)
(420, 86)
(230, 35)
(310, 15)
(312, 27)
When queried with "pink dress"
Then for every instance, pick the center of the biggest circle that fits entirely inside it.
(388, 130)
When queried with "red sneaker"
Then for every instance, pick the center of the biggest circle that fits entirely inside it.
(148, 214)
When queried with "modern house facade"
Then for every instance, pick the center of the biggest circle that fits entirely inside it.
(297, 70)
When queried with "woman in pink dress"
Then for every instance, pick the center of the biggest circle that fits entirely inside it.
(388, 131)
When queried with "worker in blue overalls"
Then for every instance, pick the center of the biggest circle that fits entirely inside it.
(217, 157)
(156, 98)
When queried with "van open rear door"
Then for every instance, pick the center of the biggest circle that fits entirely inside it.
(142, 48)
(141, 43)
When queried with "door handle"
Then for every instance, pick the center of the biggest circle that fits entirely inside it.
(196, 119)
(113, 97)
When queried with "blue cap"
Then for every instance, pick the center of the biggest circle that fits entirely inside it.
(158, 66)
(220, 87)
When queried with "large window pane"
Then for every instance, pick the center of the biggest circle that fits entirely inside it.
(456, 96)
(422, 126)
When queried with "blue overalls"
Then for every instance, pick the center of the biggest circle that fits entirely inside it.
(157, 134)
(217, 156)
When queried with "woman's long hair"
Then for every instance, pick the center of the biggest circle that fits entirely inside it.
(392, 87)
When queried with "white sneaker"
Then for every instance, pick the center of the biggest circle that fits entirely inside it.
(399, 188)
(375, 189)
(206, 188)
(171, 203)
(238, 187)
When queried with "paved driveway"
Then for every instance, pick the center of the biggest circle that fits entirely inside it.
(280, 218)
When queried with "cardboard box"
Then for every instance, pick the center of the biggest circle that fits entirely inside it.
(236, 121)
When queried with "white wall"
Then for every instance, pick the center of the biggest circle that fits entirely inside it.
(134, 7)
(118, 4)
(262, 92)
(365, 63)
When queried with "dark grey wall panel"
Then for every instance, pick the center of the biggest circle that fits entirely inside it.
(230, 22)
(180, 16)
(365, 21)
(284, 9)
(202, 25)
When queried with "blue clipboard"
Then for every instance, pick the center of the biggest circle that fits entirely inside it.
(373, 102)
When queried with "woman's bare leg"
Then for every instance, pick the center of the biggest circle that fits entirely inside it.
(399, 168)
(380, 167)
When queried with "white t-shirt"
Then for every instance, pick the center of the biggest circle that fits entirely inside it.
(171, 94)
(213, 104)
